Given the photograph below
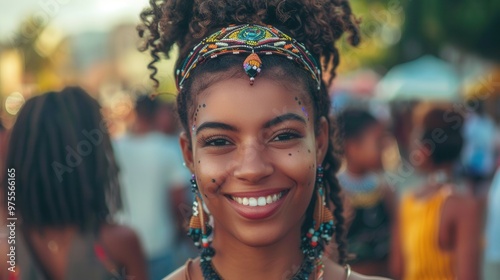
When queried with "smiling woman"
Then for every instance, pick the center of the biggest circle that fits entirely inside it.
(253, 154)
(257, 135)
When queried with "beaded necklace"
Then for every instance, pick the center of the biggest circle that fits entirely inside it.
(306, 268)
(364, 184)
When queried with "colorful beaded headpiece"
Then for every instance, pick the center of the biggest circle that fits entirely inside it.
(252, 39)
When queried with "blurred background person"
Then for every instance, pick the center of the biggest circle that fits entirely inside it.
(166, 119)
(492, 248)
(153, 180)
(66, 193)
(370, 202)
(3, 145)
(167, 122)
(439, 228)
(478, 156)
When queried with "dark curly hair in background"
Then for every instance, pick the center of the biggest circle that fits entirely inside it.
(448, 150)
(317, 23)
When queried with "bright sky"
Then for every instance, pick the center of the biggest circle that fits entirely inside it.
(71, 16)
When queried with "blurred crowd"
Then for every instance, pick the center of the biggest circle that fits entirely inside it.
(416, 200)
(417, 108)
(429, 213)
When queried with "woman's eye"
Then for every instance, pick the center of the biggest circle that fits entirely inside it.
(217, 142)
(286, 136)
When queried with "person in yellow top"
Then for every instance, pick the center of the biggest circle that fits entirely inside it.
(438, 230)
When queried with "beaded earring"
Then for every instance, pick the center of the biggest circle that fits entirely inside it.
(322, 229)
(199, 228)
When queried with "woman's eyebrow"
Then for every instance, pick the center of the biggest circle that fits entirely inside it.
(283, 118)
(275, 121)
(216, 125)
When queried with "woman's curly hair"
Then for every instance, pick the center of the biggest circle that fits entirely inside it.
(318, 24)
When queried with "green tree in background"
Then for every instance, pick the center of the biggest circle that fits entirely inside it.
(381, 23)
(470, 25)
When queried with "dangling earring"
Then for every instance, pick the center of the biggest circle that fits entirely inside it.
(321, 231)
(199, 228)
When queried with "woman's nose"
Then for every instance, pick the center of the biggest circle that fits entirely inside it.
(252, 165)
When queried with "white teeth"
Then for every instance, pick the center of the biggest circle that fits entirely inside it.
(261, 201)
(252, 201)
(258, 201)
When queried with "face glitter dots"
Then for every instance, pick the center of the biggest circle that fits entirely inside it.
(305, 111)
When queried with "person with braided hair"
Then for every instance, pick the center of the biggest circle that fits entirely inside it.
(65, 195)
(257, 137)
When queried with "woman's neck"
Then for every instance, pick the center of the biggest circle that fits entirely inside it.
(435, 182)
(235, 260)
(439, 175)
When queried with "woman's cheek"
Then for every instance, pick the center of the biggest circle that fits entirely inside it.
(298, 164)
(212, 171)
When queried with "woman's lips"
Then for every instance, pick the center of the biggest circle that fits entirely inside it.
(257, 205)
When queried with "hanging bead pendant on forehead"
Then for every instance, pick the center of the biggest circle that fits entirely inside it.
(252, 66)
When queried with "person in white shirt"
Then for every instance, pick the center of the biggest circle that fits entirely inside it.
(479, 148)
(153, 181)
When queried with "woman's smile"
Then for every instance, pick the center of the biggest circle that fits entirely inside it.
(259, 204)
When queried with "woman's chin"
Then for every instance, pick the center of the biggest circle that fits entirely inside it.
(258, 240)
(261, 235)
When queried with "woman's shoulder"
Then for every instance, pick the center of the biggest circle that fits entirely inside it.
(460, 205)
(459, 200)
(115, 235)
(118, 230)
(183, 272)
(332, 271)
(179, 274)
(357, 276)
(336, 271)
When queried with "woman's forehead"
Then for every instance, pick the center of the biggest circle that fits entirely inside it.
(235, 99)
(285, 74)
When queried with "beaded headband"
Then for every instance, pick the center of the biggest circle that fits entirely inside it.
(252, 39)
